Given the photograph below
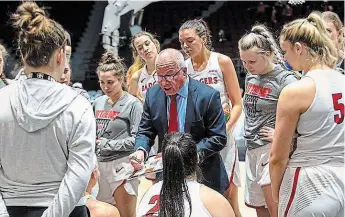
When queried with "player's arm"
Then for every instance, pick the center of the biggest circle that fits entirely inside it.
(133, 83)
(291, 104)
(232, 88)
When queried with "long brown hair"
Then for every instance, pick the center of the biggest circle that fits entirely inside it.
(201, 29)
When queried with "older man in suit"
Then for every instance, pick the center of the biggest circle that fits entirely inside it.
(179, 103)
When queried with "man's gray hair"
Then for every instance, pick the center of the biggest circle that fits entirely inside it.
(179, 59)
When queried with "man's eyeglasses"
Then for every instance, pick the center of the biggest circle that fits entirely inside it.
(166, 77)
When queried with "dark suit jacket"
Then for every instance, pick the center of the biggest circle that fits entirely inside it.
(204, 121)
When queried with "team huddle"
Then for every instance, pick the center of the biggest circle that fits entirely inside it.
(61, 156)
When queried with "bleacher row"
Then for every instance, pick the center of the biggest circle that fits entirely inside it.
(162, 18)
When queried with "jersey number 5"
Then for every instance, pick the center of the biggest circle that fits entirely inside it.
(154, 200)
(338, 107)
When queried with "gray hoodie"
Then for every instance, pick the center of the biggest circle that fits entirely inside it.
(47, 140)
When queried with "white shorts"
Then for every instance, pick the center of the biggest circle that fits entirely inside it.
(312, 191)
(229, 156)
(109, 181)
(257, 176)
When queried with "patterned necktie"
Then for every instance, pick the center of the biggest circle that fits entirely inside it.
(173, 119)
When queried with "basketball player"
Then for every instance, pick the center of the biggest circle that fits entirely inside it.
(179, 194)
(335, 28)
(3, 80)
(265, 79)
(217, 71)
(311, 182)
(66, 75)
(48, 131)
(118, 114)
(145, 49)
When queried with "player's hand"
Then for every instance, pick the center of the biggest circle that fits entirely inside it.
(266, 133)
(137, 159)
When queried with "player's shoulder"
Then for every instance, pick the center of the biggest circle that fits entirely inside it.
(214, 202)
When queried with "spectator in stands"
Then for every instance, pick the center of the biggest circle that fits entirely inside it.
(221, 36)
(145, 48)
(287, 13)
(274, 21)
(261, 15)
(48, 131)
(118, 114)
(217, 71)
(180, 194)
(3, 80)
(335, 28)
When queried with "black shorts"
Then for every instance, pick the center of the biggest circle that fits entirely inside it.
(26, 211)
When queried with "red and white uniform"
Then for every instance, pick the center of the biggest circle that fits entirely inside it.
(149, 205)
(212, 75)
(145, 82)
(313, 183)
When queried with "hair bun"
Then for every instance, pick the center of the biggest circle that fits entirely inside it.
(28, 16)
(38, 12)
(110, 58)
(260, 30)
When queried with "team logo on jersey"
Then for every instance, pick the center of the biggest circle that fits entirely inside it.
(253, 94)
(209, 80)
(103, 117)
(258, 90)
(147, 86)
(251, 105)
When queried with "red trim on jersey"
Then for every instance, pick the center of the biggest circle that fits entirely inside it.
(292, 195)
(233, 166)
(254, 207)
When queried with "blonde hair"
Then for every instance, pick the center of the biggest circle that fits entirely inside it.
(311, 32)
(4, 55)
(329, 16)
(138, 61)
(262, 39)
(3, 52)
(38, 35)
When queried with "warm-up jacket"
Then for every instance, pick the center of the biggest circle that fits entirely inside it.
(47, 140)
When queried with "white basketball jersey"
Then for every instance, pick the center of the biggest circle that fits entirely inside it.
(149, 205)
(212, 75)
(321, 127)
(145, 82)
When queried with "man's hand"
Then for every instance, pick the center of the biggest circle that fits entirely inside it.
(137, 159)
